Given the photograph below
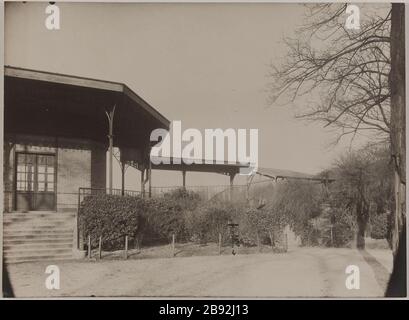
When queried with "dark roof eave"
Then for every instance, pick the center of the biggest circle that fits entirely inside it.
(146, 106)
(47, 76)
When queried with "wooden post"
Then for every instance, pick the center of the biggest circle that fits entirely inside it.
(89, 247)
(138, 245)
(126, 247)
(110, 116)
(123, 168)
(332, 236)
(142, 182)
(184, 179)
(220, 243)
(286, 242)
(271, 239)
(231, 175)
(150, 175)
(173, 245)
(258, 242)
(100, 247)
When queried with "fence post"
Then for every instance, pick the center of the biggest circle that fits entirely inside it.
(100, 247)
(286, 242)
(220, 243)
(126, 247)
(173, 244)
(89, 247)
(271, 239)
(332, 236)
(258, 242)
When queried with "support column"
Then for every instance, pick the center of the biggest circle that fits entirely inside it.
(143, 182)
(184, 179)
(110, 116)
(231, 175)
(150, 178)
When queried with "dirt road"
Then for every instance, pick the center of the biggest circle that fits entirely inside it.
(306, 272)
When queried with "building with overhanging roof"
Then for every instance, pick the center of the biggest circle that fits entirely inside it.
(57, 130)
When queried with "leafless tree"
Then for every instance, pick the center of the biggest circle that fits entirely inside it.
(354, 78)
(347, 70)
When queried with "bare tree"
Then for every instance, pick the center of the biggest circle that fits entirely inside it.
(357, 76)
(347, 70)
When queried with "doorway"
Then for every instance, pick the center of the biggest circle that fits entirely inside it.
(35, 182)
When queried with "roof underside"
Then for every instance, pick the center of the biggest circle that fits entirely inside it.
(170, 163)
(288, 174)
(43, 103)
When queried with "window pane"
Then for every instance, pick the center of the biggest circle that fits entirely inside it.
(41, 186)
(50, 161)
(41, 177)
(50, 187)
(30, 158)
(41, 168)
(42, 160)
(50, 169)
(21, 158)
(21, 185)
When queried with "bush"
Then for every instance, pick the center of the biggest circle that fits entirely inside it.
(165, 216)
(379, 225)
(111, 217)
(208, 221)
(188, 200)
(162, 218)
(149, 220)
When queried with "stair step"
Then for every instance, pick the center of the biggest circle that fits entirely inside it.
(39, 220)
(31, 237)
(29, 231)
(37, 252)
(38, 236)
(38, 227)
(36, 246)
(24, 240)
(50, 257)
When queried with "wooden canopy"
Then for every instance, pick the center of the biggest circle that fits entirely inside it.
(58, 105)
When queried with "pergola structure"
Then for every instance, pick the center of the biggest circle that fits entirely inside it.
(176, 164)
(277, 174)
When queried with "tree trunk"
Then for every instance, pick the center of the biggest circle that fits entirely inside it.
(398, 142)
(362, 217)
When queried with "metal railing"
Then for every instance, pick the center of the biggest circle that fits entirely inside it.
(205, 192)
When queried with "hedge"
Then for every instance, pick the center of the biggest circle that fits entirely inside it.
(111, 217)
(150, 221)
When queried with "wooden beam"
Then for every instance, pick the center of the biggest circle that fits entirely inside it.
(62, 79)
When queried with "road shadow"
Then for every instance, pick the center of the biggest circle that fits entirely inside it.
(382, 274)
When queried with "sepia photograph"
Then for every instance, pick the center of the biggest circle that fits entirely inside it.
(204, 150)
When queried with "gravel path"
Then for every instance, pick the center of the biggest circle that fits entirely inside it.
(302, 272)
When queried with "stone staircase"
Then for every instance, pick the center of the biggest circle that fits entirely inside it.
(37, 236)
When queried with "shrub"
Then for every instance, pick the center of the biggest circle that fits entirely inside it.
(161, 218)
(149, 220)
(205, 223)
(188, 200)
(379, 225)
(111, 217)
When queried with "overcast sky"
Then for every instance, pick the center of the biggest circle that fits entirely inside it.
(203, 64)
